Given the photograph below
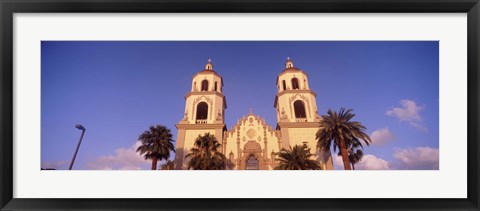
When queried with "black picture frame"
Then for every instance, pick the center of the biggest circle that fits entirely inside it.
(9, 7)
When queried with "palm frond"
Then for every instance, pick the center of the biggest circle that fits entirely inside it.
(206, 155)
(156, 143)
(296, 158)
(337, 128)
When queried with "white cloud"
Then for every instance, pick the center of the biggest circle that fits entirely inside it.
(123, 159)
(381, 136)
(419, 158)
(409, 112)
(337, 162)
(426, 158)
(368, 162)
(61, 164)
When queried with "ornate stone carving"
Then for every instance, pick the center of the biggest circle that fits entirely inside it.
(252, 146)
(305, 100)
(185, 116)
(251, 133)
(198, 99)
(219, 115)
(283, 115)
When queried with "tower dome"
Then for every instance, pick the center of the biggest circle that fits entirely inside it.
(289, 66)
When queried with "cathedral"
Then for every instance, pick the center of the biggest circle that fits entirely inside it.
(251, 143)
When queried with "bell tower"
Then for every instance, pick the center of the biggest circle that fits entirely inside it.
(205, 107)
(297, 114)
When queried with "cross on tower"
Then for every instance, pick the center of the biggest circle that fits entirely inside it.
(289, 63)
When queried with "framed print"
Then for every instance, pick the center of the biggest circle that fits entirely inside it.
(378, 99)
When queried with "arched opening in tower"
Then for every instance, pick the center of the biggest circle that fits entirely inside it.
(202, 111)
(299, 107)
(284, 85)
(295, 83)
(204, 85)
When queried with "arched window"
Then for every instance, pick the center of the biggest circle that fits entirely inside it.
(295, 83)
(284, 85)
(252, 163)
(216, 86)
(204, 85)
(202, 110)
(299, 109)
(194, 88)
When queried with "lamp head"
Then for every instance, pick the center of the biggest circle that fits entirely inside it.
(79, 126)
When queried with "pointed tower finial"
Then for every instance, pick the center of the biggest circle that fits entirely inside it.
(209, 65)
(289, 63)
(251, 110)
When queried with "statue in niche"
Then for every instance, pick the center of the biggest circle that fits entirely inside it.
(283, 116)
(185, 116)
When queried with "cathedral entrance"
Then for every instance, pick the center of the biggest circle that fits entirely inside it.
(252, 163)
(252, 158)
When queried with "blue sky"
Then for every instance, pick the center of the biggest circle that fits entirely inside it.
(118, 89)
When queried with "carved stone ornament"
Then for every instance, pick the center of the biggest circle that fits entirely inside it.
(198, 99)
(283, 116)
(219, 115)
(185, 116)
(251, 133)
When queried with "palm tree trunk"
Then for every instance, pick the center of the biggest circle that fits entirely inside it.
(353, 166)
(154, 163)
(343, 150)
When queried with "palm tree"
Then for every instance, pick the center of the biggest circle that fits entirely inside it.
(156, 144)
(297, 158)
(354, 153)
(206, 155)
(337, 128)
(169, 165)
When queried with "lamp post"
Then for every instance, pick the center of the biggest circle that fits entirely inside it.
(80, 127)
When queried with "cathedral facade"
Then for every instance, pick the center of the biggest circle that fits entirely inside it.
(251, 144)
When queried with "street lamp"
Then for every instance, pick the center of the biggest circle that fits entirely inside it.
(80, 127)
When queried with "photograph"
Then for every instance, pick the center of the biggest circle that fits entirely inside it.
(239, 105)
(209, 105)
